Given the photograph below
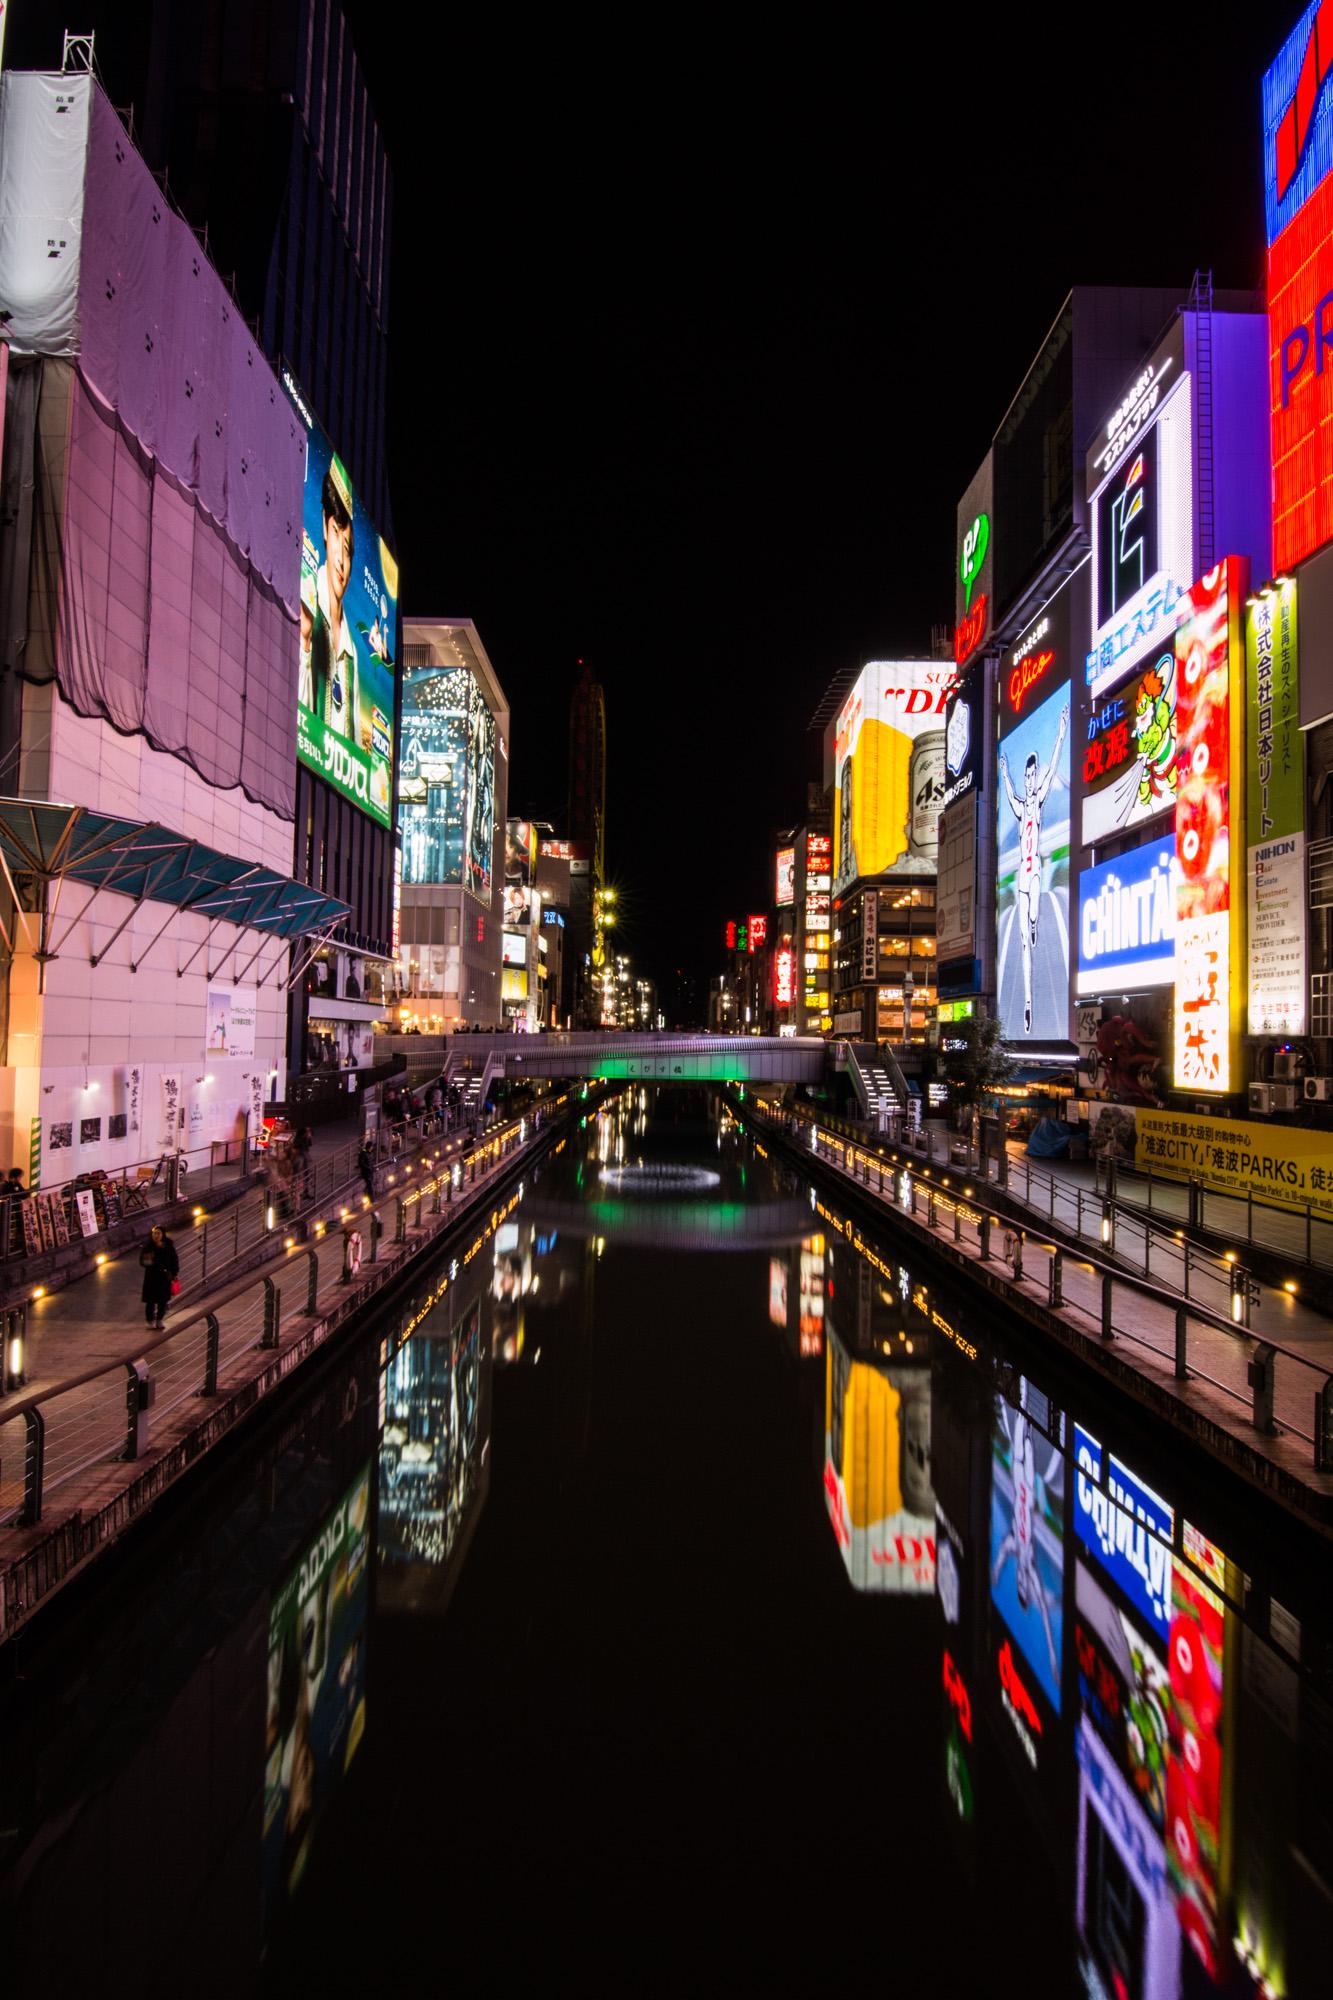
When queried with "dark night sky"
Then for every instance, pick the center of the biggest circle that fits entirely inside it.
(699, 330)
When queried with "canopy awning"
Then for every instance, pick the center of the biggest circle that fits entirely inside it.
(54, 844)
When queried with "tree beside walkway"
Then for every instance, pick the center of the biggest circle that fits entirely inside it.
(980, 1066)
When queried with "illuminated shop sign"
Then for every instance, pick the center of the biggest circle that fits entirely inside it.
(1274, 815)
(731, 937)
(973, 563)
(1127, 1527)
(1127, 921)
(962, 747)
(817, 913)
(885, 755)
(786, 877)
(349, 625)
(1129, 753)
(1140, 496)
(758, 932)
(785, 992)
(1298, 200)
(1032, 807)
(1207, 661)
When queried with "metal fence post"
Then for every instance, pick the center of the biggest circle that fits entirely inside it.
(930, 1209)
(1018, 1256)
(1323, 1427)
(1108, 1332)
(34, 1464)
(210, 1387)
(312, 1290)
(984, 1233)
(1182, 1372)
(1057, 1278)
(400, 1228)
(957, 1220)
(272, 1314)
(1259, 1375)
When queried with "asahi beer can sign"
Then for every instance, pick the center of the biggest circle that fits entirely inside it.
(926, 790)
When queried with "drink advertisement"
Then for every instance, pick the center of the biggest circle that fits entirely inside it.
(349, 621)
(316, 1687)
(1274, 815)
(887, 756)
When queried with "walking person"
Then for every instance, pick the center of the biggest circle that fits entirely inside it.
(161, 1274)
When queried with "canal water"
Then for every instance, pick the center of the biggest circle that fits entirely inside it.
(680, 1582)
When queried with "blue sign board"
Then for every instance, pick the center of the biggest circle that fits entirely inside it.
(1127, 920)
(1126, 1527)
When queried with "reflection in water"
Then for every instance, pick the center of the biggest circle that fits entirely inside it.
(1117, 1740)
(316, 1685)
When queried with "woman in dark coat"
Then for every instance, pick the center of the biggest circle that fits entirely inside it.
(161, 1266)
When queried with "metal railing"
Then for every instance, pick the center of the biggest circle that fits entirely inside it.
(1197, 1339)
(51, 1436)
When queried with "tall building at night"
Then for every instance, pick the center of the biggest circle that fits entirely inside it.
(587, 833)
(258, 125)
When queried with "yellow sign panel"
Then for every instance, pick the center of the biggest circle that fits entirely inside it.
(888, 770)
(1279, 1163)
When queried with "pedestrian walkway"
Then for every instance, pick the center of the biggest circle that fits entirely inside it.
(85, 1338)
(1182, 1345)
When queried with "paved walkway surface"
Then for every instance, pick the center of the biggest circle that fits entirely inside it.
(98, 1322)
(1217, 1386)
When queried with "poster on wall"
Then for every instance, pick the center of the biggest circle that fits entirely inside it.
(785, 892)
(349, 613)
(887, 749)
(1032, 890)
(316, 1712)
(1274, 815)
(231, 1021)
(1203, 837)
(171, 1106)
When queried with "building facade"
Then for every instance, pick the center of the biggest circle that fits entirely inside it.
(453, 794)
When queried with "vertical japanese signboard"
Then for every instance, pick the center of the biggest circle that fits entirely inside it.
(1274, 816)
(1209, 783)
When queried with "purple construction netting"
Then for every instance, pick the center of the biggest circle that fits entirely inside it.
(163, 628)
(164, 345)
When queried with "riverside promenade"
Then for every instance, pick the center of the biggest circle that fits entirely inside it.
(119, 1412)
(1169, 1312)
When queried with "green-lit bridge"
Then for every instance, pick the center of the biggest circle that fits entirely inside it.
(651, 1058)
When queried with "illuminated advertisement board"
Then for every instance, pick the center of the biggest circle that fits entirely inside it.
(973, 589)
(777, 1291)
(887, 754)
(1037, 664)
(479, 835)
(316, 1711)
(785, 977)
(1141, 509)
(964, 739)
(818, 861)
(1274, 814)
(349, 623)
(1194, 1775)
(1208, 773)
(1027, 1542)
(811, 1295)
(1127, 921)
(955, 914)
(1129, 755)
(785, 891)
(757, 932)
(1128, 1938)
(1298, 201)
(1127, 1527)
(1124, 1690)
(1032, 860)
(878, 1495)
